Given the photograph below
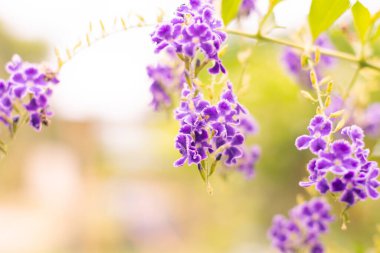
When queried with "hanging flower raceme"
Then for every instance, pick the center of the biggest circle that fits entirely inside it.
(293, 62)
(209, 133)
(25, 95)
(341, 166)
(215, 131)
(302, 230)
(194, 29)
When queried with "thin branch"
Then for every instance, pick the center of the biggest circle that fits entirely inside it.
(324, 51)
(353, 81)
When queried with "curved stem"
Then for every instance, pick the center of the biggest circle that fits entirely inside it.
(78, 50)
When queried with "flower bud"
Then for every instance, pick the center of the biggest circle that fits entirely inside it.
(304, 61)
(317, 55)
(328, 101)
(329, 87)
(313, 77)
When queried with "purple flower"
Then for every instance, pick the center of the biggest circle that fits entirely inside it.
(186, 146)
(315, 215)
(301, 231)
(316, 177)
(6, 103)
(219, 130)
(372, 183)
(338, 160)
(285, 235)
(195, 28)
(319, 128)
(343, 168)
(167, 81)
(355, 134)
(350, 186)
(30, 86)
(247, 7)
(14, 65)
(248, 161)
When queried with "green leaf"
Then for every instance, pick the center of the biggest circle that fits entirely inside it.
(340, 41)
(362, 20)
(323, 13)
(230, 9)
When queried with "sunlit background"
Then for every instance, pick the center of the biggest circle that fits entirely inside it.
(100, 178)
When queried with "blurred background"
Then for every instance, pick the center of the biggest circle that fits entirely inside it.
(100, 178)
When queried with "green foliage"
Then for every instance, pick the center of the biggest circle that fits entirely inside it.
(323, 13)
(230, 9)
(362, 20)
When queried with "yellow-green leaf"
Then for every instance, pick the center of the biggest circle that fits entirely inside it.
(323, 13)
(230, 9)
(362, 20)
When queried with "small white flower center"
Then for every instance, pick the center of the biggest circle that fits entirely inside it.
(195, 40)
(337, 162)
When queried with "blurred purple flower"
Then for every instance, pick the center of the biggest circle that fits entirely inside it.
(337, 104)
(302, 230)
(371, 122)
(167, 81)
(248, 161)
(292, 62)
(247, 7)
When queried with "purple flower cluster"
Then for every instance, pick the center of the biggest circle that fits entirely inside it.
(292, 62)
(341, 166)
(194, 29)
(218, 130)
(167, 81)
(247, 7)
(302, 230)
(215, 132)
(26, 93)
